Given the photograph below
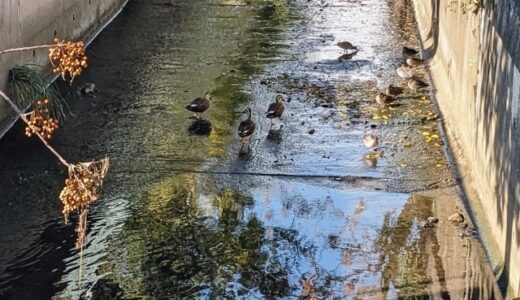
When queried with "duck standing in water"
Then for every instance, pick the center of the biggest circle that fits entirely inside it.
(199, 105)
(246, 128)
(347, 46)
(416, 84)
(405, 71)
(88, 89)
(275, 109)
(370, 139)
(394, 90)
(383, 98)
(414, 62)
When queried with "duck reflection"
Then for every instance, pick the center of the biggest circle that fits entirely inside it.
(200, 127)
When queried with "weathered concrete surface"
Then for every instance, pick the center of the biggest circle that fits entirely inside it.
(475, 59)
(37, 22)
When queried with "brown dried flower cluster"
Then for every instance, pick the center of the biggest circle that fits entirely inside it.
(39, 121)
(82, 186)
(68, 58)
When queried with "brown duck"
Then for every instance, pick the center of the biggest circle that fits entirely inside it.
(383, 98)
(405, 72)
(394, 90)
(275, 109)
(347, 46)
(413, 62)
(416, 84)
(199, 105)
(246, 128)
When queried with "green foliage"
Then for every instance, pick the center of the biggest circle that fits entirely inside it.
(29, 86)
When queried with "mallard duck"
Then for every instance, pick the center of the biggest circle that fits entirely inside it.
(416, 84)
(370, 139)
(275, 109)
(409, 52)
(383, 98)
(394, 90)
(405, 71)
(246, 128)
(199, 105)
(347, 46)
(88, 89)
(413, 62)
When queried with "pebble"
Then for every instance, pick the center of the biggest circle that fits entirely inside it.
(312, 131)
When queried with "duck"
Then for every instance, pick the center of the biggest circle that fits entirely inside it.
(275, 109)
(383, 98)
(416, 84)
(88, 89)
(405, 71)
(413, 62)
(409, 52)
(246, 128)
(347, 46)
(370, 139)
(394, 90)
(199, 105)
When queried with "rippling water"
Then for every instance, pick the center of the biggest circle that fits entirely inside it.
(183, 216)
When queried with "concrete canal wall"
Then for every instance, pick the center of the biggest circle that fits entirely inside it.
(475, 63)
(36, 22)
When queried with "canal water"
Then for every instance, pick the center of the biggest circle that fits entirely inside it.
(308, 212)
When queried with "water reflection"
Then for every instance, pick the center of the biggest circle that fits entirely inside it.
(347, 56)
(160, 234)
(200, 127)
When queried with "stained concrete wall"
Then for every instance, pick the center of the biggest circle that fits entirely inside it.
(36, 22)
(474, 59)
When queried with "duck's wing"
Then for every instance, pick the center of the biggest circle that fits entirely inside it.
(422, 83)
(246, 128)
(279, 110)
(394, 90)
(271, 110)
(198, 105)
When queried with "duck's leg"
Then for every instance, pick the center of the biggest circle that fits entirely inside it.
(248, 142)
(241, 145)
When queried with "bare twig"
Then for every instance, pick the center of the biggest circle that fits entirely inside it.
(30, 48)
(22, 116)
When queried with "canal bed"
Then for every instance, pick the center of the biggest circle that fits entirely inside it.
(304, 214)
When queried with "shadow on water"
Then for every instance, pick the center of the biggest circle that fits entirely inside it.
(200, 127)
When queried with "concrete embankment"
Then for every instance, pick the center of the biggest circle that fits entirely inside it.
(474, 63)
(37, 22)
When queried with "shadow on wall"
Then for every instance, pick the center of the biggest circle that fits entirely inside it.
(498, 129)
(430, 52)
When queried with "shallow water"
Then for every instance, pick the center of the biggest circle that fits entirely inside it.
(183, 215)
